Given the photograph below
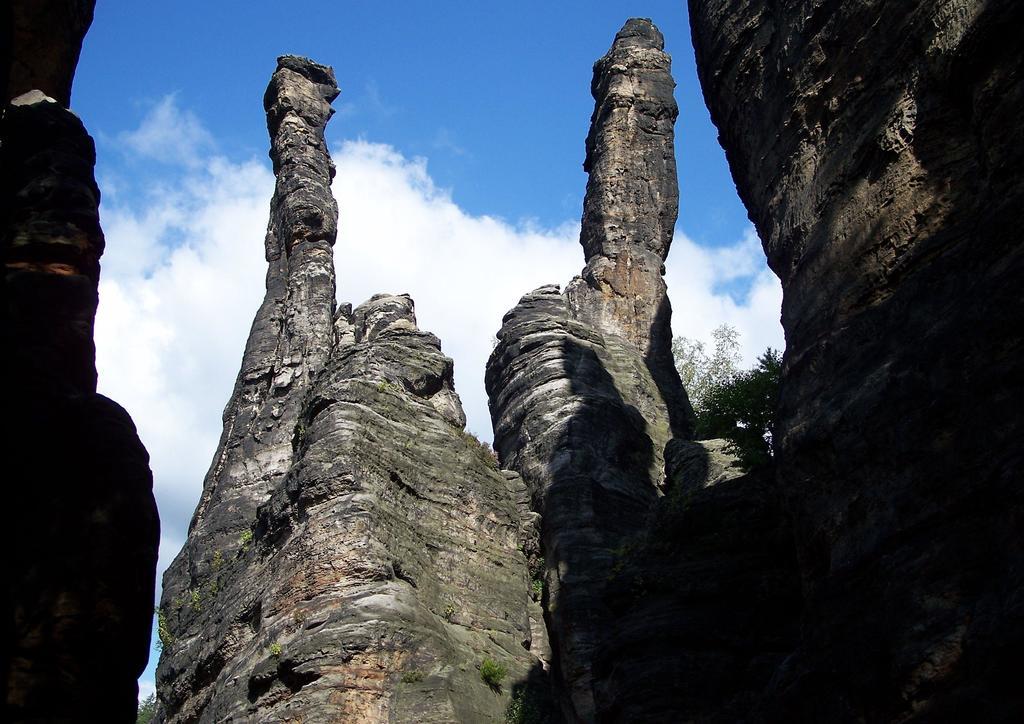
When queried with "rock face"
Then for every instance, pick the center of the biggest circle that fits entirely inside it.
(82, 538)
(356, 555)
(293, 331)
(45, 39)
(659, 607)
(873, 145)
(630, 208)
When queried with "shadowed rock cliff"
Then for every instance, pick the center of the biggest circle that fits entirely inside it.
(42, 40)
(356, 555)
(582, 389)
(876, 146)
(81, 541)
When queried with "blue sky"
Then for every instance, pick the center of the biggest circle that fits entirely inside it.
(459, 140)
(496, 95)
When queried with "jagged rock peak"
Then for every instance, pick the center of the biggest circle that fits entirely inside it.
(640, 32)
(381, 312)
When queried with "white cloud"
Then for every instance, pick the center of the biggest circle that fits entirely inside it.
(399, 233)
(696, 277)
(182, 278)
(169, 135)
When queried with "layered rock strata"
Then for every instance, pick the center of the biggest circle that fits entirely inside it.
(81, 542)
(874, 145)
(382, 567)
(584, 399)
(630, 208)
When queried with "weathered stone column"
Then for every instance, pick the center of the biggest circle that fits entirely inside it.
(292, 334)
(630, 209)
(583, 393)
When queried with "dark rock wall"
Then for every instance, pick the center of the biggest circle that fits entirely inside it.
(80, 545)
(356, 555)
(564, 403)
(877, 148)
(42, 40)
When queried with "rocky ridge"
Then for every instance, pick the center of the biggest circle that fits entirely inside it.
(382, 558)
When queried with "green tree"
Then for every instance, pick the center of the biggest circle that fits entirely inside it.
(742, 410)
(731, 403)
(147, 710)
(701, 373)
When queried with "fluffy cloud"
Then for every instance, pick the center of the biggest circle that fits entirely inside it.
(183, 277)
(170, 135)
(725, 285)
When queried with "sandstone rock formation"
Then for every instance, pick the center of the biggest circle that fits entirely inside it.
(356, 555)
(81, 540)
(293, 331)
(873, 145)
(659, 608)
(630, 209)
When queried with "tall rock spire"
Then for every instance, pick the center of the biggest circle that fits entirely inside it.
(583, 393)
(292, 335)
(356, 555)
(631, 205)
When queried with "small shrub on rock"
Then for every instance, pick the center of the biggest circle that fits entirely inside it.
(491, 672)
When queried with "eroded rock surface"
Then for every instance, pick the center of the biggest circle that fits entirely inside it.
(630, 208)
(81, 538)
(584, 396)
(379, 558)
(293, 332)
(876, 146)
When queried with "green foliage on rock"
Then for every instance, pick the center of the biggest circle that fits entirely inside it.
(482, 449)
(163, 633)
(275, 650)
(491, 672)
(412, 677)
(537, 587)
(701, 372)
(522, 709)
(743, 410)
(730, 403)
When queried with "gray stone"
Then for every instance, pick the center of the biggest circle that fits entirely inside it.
(583, 393)
(356, 555)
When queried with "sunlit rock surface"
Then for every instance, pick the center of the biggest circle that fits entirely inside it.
(356, 555)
